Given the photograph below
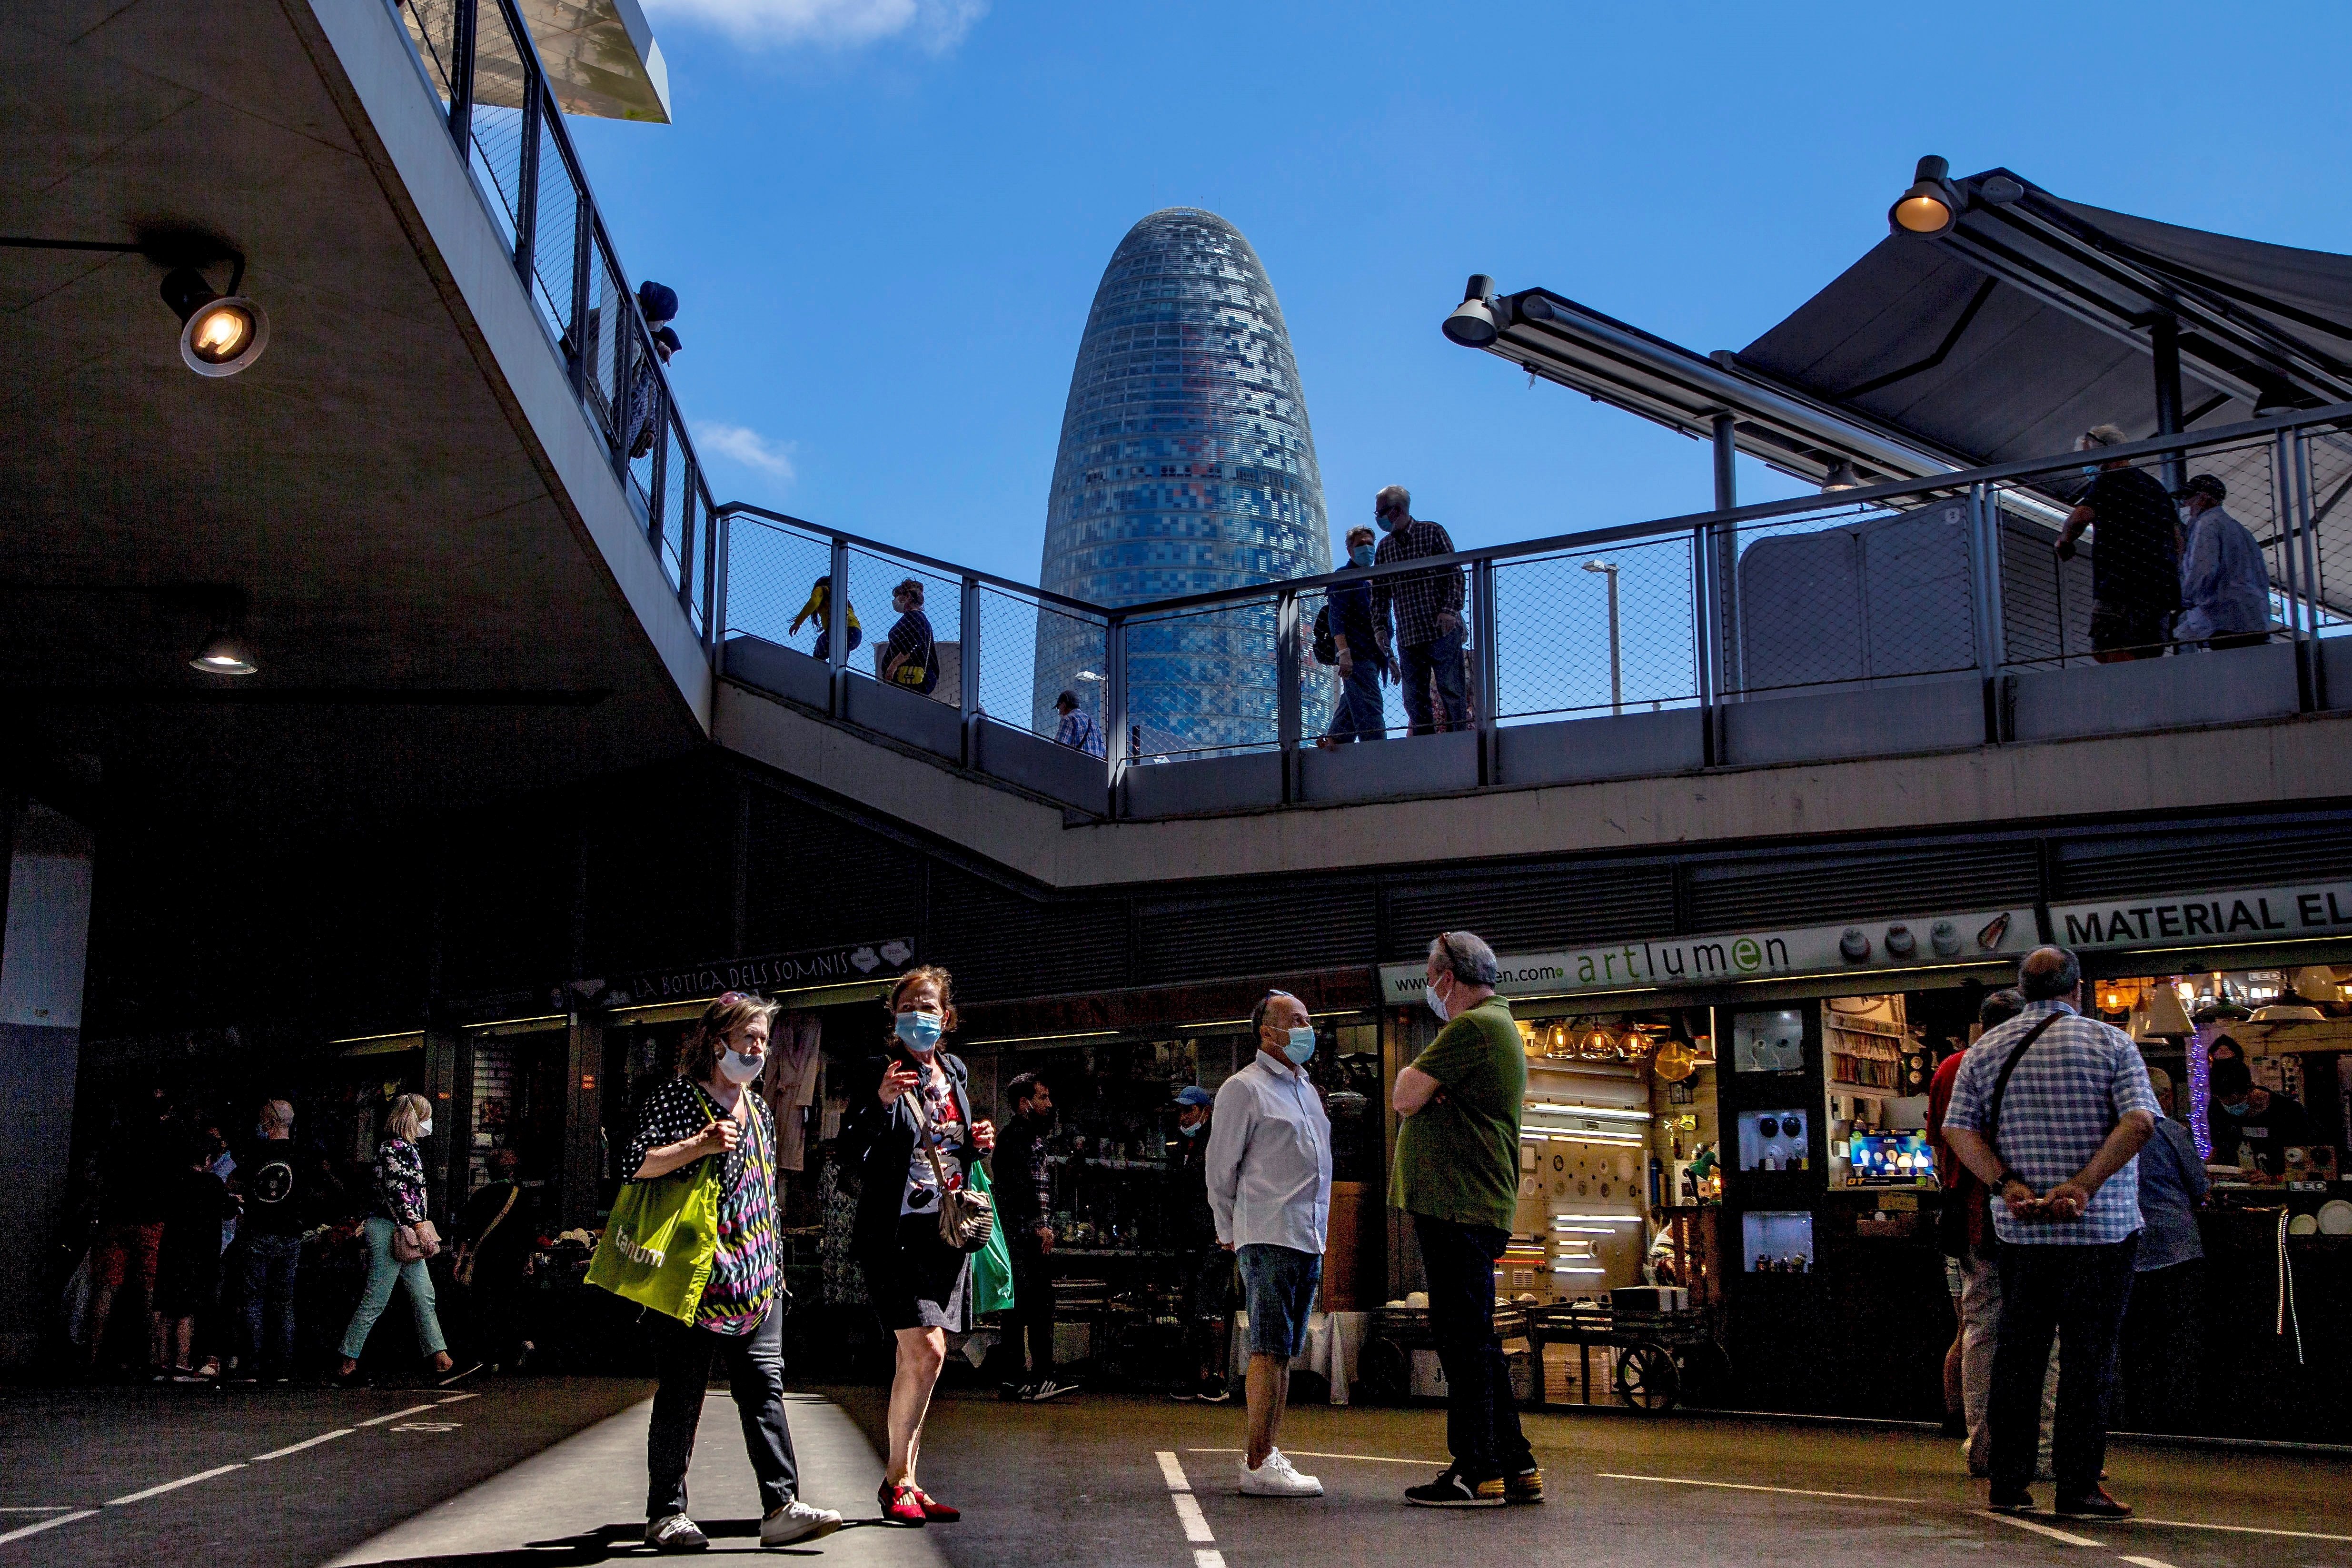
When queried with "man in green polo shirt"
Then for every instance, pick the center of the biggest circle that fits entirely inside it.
(1456, 1173)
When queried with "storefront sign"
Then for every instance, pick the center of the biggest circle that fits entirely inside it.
(2207, 919)
(779, 972)
(1681, 962)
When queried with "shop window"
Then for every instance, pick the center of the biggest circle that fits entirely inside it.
(1769, 1041)
(1776, 1241)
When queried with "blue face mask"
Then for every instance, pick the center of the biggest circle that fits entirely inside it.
(1301, 1046)
(2241, 1108)
(1191, 1132)
(1361, 555)
(920, 1031)
(1387, 521)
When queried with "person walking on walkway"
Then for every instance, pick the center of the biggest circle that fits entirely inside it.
(1348, 611)
(910, 1134)
(1076, 728)
(910, 658)
(492, 1235)
(1204, 1267)
(2050, 1111)
(705, 1113)
(818, 609)
(2134, 555)
(399, 1208)
(279, 1203)
(1269, 1181)
(1427, 631)
(1024, 1208)
(1458, 1174)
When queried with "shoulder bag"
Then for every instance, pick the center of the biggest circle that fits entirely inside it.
(415, 1243)
(966, 1217)
(1952, 1224)
(469, 1250)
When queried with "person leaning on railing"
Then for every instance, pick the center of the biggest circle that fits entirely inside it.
(2135, 568)
(2225, 589)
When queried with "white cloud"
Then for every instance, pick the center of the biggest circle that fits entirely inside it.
(746, 447)
(936, 26)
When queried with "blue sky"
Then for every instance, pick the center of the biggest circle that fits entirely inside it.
(886, 218)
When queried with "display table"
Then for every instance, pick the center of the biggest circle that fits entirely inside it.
(1332, 1341)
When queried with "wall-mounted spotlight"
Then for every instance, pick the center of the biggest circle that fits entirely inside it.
(1472, 322)
(1841, 476)
(220, 334)
(1931, 206)
(223, 653)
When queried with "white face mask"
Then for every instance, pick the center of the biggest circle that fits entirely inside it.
(738, 1068)
(424, 1128)
(1436, 1003)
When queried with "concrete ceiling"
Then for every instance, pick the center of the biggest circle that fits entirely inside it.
(433, 624)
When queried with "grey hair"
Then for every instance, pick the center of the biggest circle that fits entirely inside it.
(2048, 972)
(2103, 435)
(279, 1113)
(1467, 958)
(1397, 493)
(1257, 1014)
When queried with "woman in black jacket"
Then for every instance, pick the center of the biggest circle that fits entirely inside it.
(919, 1285)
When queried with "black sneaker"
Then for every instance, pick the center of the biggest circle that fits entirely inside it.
(1046, 1388)
(1182, 1394)
(1524, 1486)
(1453, 1490)
(1213, 1391)
(2019, 1501)
(2098, 1504)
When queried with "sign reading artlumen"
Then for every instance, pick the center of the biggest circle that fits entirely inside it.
(2207, 920)
(780, 972)
(1679, 962)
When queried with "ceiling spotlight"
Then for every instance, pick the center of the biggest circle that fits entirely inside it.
(1841, 476)
(219, 334)
(222, 655)
(1931, 206)
(1472, 322)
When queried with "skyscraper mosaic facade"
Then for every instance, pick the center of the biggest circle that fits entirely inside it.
(1186, 465)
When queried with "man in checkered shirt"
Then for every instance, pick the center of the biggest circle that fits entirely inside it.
(2061, 1150)
(1427, 635)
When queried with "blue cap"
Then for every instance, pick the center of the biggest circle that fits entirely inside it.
(1193, 1094)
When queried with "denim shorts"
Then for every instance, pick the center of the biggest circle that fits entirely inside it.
(1279, 1285)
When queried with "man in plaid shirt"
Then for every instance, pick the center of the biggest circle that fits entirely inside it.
(2059, 1144)
(1427, 635)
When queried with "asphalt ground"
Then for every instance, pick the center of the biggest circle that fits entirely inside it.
(550, 1471)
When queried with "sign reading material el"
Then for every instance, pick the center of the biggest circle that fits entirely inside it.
(2204, 920)
(1678, 961)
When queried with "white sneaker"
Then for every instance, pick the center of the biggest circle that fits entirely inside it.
(1278, 1477)
(676, 1533)
(796, 1520)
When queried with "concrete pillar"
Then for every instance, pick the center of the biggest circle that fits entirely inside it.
(47, 858)
(583, 1119)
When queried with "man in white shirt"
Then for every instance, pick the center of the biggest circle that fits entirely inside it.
(2225, 589)
(1269, 1176)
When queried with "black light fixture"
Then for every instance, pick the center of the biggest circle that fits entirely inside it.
(1472, 322)
(1931, 206)
(220, 334)
(1841, 476)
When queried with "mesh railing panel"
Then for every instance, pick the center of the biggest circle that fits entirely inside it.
(2328, 462)
(679, 514)
(874, 581)
(496, 120)
(433, 28)
(554, 240)
(1030, 652)
(1848, 596)
(772, 573)
(645, 414)
(598, 386)
(1202, 683)
(1321, 687)
(1552, 631)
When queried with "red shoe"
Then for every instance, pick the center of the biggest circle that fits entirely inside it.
(901, 1505)
(935, 1511)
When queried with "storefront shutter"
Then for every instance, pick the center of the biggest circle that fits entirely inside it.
(1820, 889)
(1531, 912)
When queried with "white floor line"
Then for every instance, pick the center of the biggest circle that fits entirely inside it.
(1743, 1487)
(51, 1508)
(19, 1534)
(379, 1420)
(2237, 1529)
(2058, 1535)
(1208, 1557)
(1172, 1472)
(1196, 1525)
(172, 1486)
(455, 1397)
(305, 1443)
(2147, 1562)
(1311, 1454)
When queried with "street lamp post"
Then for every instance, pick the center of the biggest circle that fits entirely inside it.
(1616, 669)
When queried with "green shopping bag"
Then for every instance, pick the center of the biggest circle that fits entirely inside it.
(658, 1244)
(992, 1266)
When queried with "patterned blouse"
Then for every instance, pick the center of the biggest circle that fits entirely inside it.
(399, 1181)
(946, 1130)
(745, 1276)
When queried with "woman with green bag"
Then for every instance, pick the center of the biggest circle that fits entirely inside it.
(704, 1118)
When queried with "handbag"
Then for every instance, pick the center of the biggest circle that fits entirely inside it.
(1952, 1222)
(967, 1217)
(660, 1240)
(415, 1243)
(468, 1251)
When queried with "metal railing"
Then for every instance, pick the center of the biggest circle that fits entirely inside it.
(1888, 585)
(477, 58)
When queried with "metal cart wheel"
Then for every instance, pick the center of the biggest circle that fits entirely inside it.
(1385, 1369)
(1646, 1378)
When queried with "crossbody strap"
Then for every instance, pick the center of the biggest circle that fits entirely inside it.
(2001, 1084)
(923, 1136)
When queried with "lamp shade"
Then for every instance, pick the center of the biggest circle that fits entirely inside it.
(2163, 1015)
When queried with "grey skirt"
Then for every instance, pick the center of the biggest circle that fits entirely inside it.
(923, 1283)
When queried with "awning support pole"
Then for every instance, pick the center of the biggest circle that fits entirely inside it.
(2164, 344)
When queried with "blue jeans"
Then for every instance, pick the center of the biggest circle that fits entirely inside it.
(266, 1270)
(1358, 715)
(1442, 656)
(1278, 1283)
(383, 1271)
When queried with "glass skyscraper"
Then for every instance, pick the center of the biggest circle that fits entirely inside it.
(1186, 465)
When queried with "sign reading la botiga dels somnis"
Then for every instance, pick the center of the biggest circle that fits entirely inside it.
(1680, 963)
(2207, 919)
(777, 971)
